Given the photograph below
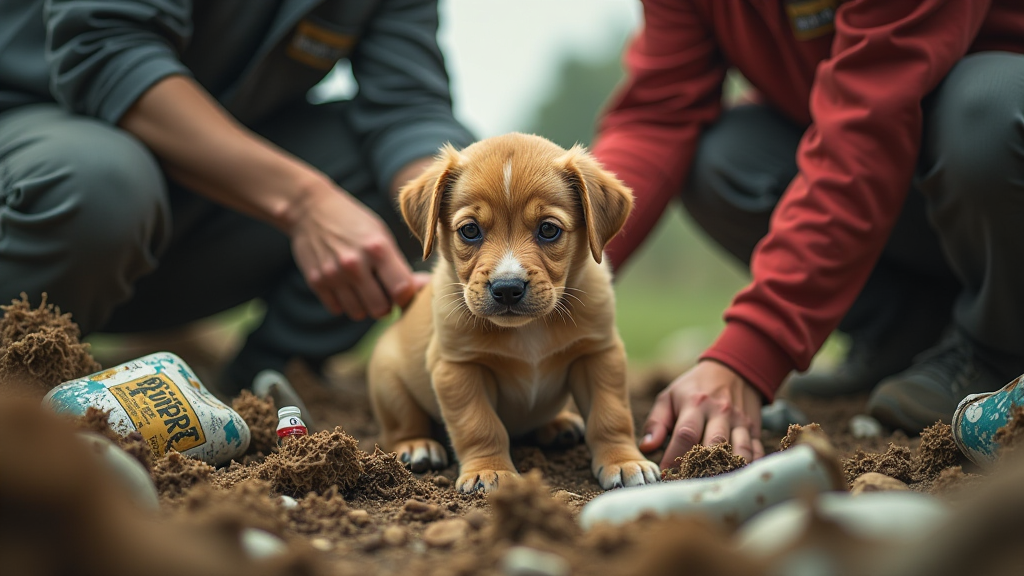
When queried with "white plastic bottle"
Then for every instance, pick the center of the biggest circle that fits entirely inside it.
(290, 423)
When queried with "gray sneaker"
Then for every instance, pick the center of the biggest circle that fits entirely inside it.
(929, 391)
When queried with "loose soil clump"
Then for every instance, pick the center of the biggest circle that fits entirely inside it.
(793, 434)
(260, 416)
(705, 461)
(896, 463)
(524, 511)
(314, 463)
(937, 452)
(40, 347)
(175, 474)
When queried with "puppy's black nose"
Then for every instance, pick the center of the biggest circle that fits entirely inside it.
(508, 292)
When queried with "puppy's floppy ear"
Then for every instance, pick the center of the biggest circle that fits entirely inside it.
(606, 200)
(420, 199)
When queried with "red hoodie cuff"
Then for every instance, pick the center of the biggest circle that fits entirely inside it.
(754, 356)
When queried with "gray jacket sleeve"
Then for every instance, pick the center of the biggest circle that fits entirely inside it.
(104, 54)
(403, 109)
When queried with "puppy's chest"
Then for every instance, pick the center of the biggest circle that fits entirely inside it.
(531, 369)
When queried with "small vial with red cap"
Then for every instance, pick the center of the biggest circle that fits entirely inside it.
(290, 423)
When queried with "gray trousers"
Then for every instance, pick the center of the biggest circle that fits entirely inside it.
(957, 246)
(87, 216)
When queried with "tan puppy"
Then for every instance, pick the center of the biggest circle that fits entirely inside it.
(519, 315)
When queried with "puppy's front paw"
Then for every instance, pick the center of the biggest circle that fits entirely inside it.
(482, 480)
(422, 454)
(626, 473)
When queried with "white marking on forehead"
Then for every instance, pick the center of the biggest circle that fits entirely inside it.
(508, 266)
(507, 171)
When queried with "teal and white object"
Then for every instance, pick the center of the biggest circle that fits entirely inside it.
(729, 498)
(160, 397)
(979, 416)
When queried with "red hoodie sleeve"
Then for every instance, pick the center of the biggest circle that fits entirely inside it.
(856, 162)
(649, 133)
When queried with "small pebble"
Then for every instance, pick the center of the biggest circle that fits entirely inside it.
(371, 542)
(777, 416)
(476, 519)
(322, 544)
(360, 517)
(864, 426)
(261, 544)
(524, 561)
(444, 533)
(422, 511)
(394, 535)
(289, 502)
(875, 482)
(441, 481)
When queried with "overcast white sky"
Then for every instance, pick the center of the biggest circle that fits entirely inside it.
(503, 54)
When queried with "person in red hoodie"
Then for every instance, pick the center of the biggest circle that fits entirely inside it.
(877, 186)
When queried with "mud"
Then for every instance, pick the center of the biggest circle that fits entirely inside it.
(356, 510)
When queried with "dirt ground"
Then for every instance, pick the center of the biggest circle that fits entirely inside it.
(357, 511)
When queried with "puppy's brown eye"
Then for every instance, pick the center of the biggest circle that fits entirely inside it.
(549, 232)
(470, 232)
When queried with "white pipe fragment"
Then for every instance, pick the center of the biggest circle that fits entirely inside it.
(129, 471)
(809, 466)
(896, 517)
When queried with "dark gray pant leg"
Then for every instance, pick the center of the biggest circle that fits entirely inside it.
(973, 177)
(743, 165)
(83, 212)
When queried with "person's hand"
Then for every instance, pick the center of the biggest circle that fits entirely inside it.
(709, 403)
(348, 256)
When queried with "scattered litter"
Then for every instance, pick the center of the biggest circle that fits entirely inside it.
(160, 397)
(979, 417)
(133, 476)
(895, 517)
(811, 465)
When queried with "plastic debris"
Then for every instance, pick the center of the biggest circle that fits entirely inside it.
(979, 416)
(160, 397)
(809, 466)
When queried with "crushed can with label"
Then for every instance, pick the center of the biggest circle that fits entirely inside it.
(160, 397)
(979, 416)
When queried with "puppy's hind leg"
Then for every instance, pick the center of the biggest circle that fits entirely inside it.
(564, 431)
(405, 426)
